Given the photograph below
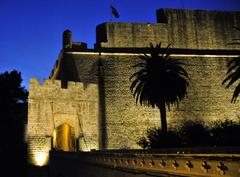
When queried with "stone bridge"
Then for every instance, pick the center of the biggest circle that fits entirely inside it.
(201, 162)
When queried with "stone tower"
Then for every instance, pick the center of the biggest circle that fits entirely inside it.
(67, 39)
(54, 111)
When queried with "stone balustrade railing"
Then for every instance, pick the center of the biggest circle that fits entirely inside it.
(161, 163)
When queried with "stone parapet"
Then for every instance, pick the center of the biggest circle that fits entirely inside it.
(183, 28)
(130, 164)
(117, 35)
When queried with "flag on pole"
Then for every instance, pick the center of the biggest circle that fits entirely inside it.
(115, 12)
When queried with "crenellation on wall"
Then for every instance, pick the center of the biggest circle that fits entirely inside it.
(50, 106)
(52, 88)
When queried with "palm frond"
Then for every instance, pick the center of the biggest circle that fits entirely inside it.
(133, 85)
(139, 65)
(138, 91)
(234, 62)
(235, 94)
(166, 53)
(138, 73)
(232, 77)
(145, 57)
(160, 79)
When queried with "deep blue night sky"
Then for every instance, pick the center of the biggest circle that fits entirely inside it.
(31, 30)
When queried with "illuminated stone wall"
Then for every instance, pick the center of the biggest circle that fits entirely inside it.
(130, 34)
(115, 121)
(184, 29)
(207, 98)
(200, 29)
(50, 106)
(122, 122)
(125, 121)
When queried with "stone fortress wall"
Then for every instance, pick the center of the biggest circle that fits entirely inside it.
(204, 48)
(184, 29)
(50, 106)
(122, 122)
(119, 116)
(200, 38)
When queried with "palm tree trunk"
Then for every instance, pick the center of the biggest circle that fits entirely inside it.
(162, 108)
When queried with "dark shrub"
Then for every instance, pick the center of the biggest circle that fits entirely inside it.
(143, 142)
(225, 133)
(157, 139)
(194, 134)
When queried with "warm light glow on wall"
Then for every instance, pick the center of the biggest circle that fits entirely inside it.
(54, 139)
(41, 158)
(64, 138)
(39, 153)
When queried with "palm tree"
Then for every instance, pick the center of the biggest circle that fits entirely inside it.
(160, 81)
(233, 73)
(233, 76)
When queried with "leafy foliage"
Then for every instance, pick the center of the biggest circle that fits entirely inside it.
(225, 133)
(158, 139)
(11, 91)
(13, 105)
(159, 81)
(233, 74)
(194, 134)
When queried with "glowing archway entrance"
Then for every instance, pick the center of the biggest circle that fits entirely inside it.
(64, 138)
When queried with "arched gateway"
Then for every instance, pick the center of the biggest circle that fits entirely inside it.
(64, 138)
(59, 118)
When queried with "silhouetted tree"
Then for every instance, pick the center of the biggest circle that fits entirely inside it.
(160, 81)
(13, 105)
(233, 74)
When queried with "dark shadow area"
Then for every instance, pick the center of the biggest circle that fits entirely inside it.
(68, 70)
(194, 134)
(102, 120)
(161, 16)
(37, 171)
(13, 105)
(77, 69)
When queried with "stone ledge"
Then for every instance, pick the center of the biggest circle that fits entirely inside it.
(205, 165)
